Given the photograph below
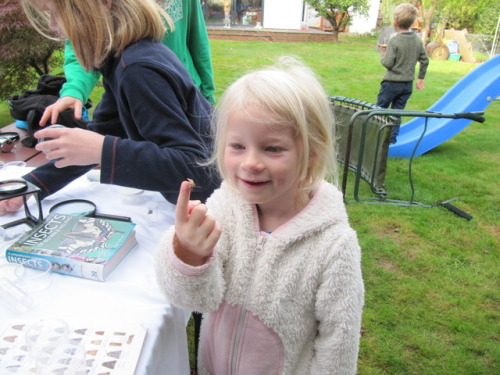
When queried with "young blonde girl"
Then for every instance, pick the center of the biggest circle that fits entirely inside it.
(270, 260)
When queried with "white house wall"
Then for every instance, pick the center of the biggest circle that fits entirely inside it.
(282, 14)
(362, 24)
(287, 14)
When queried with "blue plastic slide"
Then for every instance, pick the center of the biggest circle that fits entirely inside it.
(472, 93)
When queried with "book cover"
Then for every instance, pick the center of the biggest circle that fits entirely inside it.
(75, 245)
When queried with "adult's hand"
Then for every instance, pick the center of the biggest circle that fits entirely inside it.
(196, 233)
(71, 146)
(52, 111)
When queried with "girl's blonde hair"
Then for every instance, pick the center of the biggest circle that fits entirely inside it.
(98, 28)
(289, 94)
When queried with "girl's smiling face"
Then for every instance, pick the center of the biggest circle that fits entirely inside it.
(262, 160)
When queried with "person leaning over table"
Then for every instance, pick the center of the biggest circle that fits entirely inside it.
(151, 126)
(189, 41)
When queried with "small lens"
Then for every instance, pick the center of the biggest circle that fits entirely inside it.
(12, 187)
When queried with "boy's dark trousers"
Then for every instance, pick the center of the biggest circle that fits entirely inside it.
(395, 95)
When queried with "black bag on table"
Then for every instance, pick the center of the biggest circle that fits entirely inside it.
(30, 106)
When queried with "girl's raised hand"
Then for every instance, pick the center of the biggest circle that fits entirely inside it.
(196, 233)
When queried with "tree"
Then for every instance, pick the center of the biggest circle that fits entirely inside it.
(487, 21)
(427, 11)
(476, 16)
(24, 54)
(479, 16)
(338, 12)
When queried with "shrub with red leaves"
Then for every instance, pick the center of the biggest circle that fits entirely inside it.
(24, 54)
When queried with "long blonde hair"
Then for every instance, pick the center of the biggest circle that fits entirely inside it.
(97, 28)
(291, 95)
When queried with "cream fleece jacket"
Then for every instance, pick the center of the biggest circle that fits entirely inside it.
(289, 302)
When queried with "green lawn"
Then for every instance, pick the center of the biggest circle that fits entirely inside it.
(431, 277)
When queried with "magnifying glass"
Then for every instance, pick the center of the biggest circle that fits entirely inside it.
(84, 208)
(12, 186)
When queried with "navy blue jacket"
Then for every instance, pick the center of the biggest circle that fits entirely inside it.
(156, 125)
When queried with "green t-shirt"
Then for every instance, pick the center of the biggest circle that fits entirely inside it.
(189, 41)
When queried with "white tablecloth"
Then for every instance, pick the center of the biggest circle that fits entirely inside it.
(129, 295)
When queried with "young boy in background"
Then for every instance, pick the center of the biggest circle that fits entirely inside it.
(400, 57)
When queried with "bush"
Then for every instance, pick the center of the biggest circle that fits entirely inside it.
(24, 54)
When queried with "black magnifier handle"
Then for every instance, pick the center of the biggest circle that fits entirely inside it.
(112, 217)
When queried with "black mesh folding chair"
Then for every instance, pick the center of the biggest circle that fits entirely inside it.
(363, 144)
